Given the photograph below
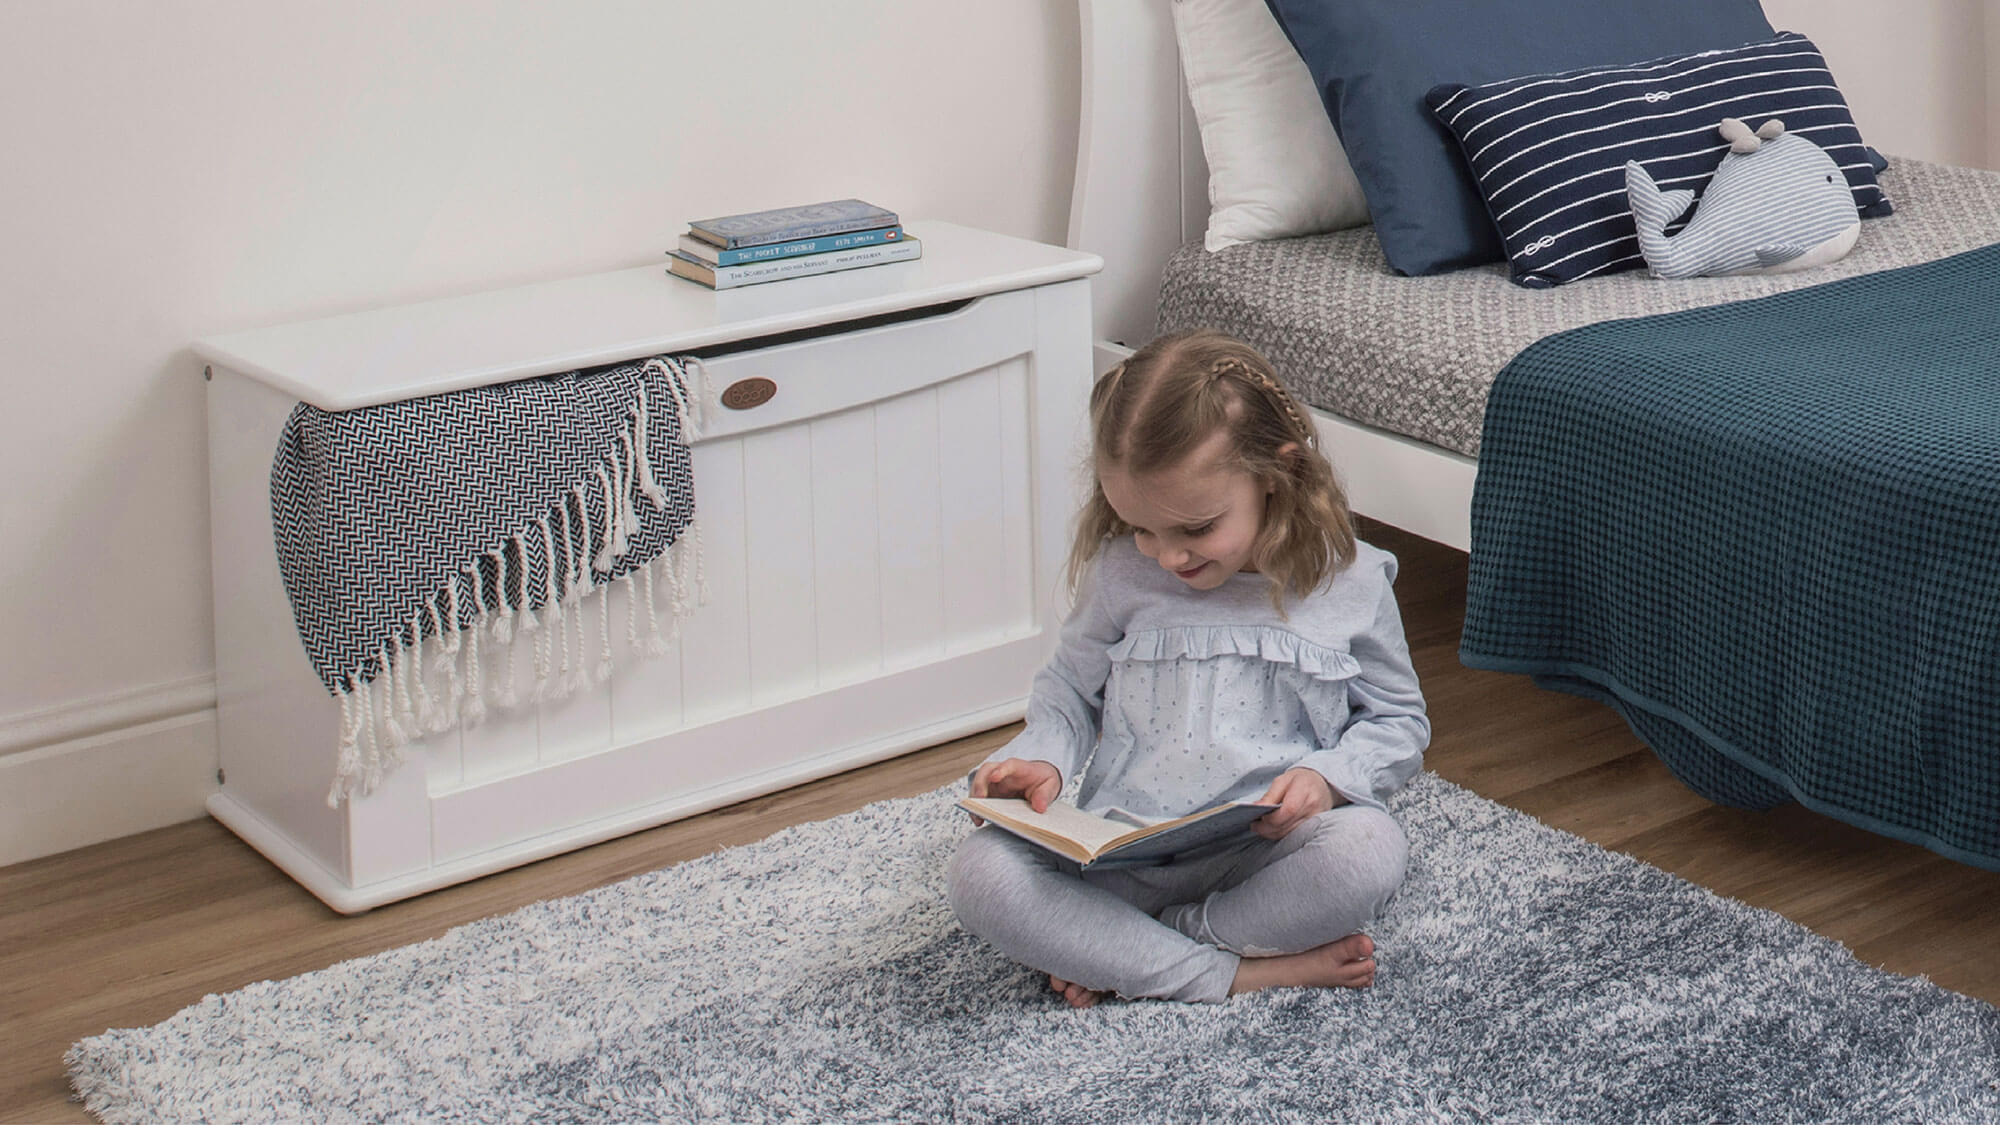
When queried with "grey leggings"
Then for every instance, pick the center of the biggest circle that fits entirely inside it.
(1177, 931)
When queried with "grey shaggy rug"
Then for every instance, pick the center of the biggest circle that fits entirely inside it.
(1526, 975)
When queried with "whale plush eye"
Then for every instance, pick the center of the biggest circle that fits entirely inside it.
(1829, 177)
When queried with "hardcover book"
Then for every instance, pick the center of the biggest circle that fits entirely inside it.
(716, 256)
(1119, 840)
(791, 224)
(804, 265)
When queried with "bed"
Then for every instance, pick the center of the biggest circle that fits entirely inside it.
(1401, 372)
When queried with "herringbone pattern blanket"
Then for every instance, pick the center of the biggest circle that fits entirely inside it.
(406, 532)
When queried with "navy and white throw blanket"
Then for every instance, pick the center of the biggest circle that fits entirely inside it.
(1768, 533)
(411, 532)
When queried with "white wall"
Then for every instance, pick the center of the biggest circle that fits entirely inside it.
(1918, 74)
(179, 168)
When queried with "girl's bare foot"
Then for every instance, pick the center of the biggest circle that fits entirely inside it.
(1077, 995)
(1347, 963)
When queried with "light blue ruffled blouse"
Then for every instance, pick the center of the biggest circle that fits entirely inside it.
(1190, 698)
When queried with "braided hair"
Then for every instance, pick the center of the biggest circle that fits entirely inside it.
(1152, 411)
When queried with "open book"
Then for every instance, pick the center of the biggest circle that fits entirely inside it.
(1113, 841)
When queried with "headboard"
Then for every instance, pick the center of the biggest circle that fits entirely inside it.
(1142, 193)
(1141, 183)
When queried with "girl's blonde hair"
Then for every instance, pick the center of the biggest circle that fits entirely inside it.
(1151, 411)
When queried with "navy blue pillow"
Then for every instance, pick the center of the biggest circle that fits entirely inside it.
(1549, 150)
(1374, 60)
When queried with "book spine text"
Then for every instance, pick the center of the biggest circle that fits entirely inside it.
(797, 248)
(751, 273)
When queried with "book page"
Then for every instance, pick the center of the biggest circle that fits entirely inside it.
(1063, 819)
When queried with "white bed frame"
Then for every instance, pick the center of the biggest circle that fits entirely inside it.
(1142, 192)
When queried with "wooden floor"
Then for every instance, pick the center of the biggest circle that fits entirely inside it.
(128, 932)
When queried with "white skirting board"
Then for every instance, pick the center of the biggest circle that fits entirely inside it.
(83, 791)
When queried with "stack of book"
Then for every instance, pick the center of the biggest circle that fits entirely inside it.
(841, 234)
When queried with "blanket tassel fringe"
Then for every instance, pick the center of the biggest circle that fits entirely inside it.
(435, 678)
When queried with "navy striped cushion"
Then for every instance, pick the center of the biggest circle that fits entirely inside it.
(1549, 150)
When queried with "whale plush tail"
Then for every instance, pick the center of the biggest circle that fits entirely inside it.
(1653, 209)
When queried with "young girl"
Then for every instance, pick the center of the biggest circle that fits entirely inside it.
(1231, 641)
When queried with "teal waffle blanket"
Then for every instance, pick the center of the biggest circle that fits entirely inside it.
(1768, 533)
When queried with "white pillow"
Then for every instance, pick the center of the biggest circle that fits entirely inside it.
(1275, 165)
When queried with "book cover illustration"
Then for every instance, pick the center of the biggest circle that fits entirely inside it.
(1100, 842)
(785, 224)
(752, 273)
(716, 256)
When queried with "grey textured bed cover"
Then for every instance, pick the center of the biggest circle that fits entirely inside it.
(1417, 355)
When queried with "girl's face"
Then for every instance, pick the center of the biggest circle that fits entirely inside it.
(1198, 519)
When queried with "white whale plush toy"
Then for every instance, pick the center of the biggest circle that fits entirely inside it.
(1778, 203)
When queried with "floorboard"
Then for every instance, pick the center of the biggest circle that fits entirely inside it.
(128, 932)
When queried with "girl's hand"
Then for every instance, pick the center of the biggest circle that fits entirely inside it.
(1300, 794)
(1035, 782)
